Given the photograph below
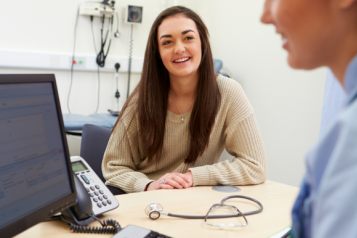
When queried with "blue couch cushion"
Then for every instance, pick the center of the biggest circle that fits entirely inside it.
(105, 117)
(75, 122)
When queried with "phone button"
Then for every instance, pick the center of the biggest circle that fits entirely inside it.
(104, 203)
(105, 196)
(85, 179)
(96, 193)
(100, 198)
(101, 191)
(109, 202)
(92, 188)
(95, 199)
(91, 195)
(97, 187)
(99, 204)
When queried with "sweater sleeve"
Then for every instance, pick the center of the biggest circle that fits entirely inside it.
(242, 140)
(118, 166)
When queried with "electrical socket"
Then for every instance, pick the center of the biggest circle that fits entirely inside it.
(79, 63)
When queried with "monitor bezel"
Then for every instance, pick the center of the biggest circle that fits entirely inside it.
(44, 213)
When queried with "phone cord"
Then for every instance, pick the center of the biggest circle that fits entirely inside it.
(109, 226)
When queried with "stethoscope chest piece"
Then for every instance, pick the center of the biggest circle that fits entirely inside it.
(153, 210)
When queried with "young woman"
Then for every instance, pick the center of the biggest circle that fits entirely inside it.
(177, 122)
(324, 33)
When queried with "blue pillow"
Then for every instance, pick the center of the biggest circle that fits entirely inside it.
(75, 122)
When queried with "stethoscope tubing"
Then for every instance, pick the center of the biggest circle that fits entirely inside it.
(224, 216)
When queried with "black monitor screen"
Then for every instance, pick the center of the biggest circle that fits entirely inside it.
(33, 163)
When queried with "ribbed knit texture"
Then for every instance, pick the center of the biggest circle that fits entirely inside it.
(125, 164)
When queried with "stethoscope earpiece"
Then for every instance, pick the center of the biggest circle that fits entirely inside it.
(229, 226)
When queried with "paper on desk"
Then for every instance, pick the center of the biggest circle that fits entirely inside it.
(281, 233)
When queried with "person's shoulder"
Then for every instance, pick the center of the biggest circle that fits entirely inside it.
(230, 90)
(343, 134)
(347, 118)
(228, 86)
(233, 99)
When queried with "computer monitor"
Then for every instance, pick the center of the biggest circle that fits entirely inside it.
(36, 178)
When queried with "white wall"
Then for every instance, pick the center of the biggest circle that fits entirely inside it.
(48, 26)
(287, 102)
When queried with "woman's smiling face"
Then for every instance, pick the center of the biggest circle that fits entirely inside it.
(179, 45)
(307, 28)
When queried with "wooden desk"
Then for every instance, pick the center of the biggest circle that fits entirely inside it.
(276, 198)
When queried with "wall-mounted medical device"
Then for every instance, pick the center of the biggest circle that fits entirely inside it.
(133, 14)
(96, 9)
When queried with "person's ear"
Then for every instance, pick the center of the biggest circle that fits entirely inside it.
(345, 4)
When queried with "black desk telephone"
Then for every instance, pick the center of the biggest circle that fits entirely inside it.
(94, 198)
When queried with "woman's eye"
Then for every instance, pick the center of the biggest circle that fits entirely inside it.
(189, 38)
(166, 42)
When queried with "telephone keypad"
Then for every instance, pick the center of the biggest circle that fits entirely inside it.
(97, 195)
(96, 189)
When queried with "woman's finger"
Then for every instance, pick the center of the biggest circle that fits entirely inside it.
(180, 180)
(184, 177)
(165, 186)
(173, 183)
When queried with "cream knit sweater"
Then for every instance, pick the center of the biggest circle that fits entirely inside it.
(125, 164)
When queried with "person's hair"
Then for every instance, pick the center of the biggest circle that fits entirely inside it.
(153, 90)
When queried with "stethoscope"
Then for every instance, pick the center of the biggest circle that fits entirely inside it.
(154, 210)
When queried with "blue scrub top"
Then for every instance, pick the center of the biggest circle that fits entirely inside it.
(325, 206)
(334, 100)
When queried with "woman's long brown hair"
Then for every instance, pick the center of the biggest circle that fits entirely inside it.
(154, 87)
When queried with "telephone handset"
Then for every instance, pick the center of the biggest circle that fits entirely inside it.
(80, 213)
(94, 198)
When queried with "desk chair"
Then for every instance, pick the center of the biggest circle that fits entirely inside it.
(93, 145)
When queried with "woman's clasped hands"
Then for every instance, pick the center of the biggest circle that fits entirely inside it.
(171, 181)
